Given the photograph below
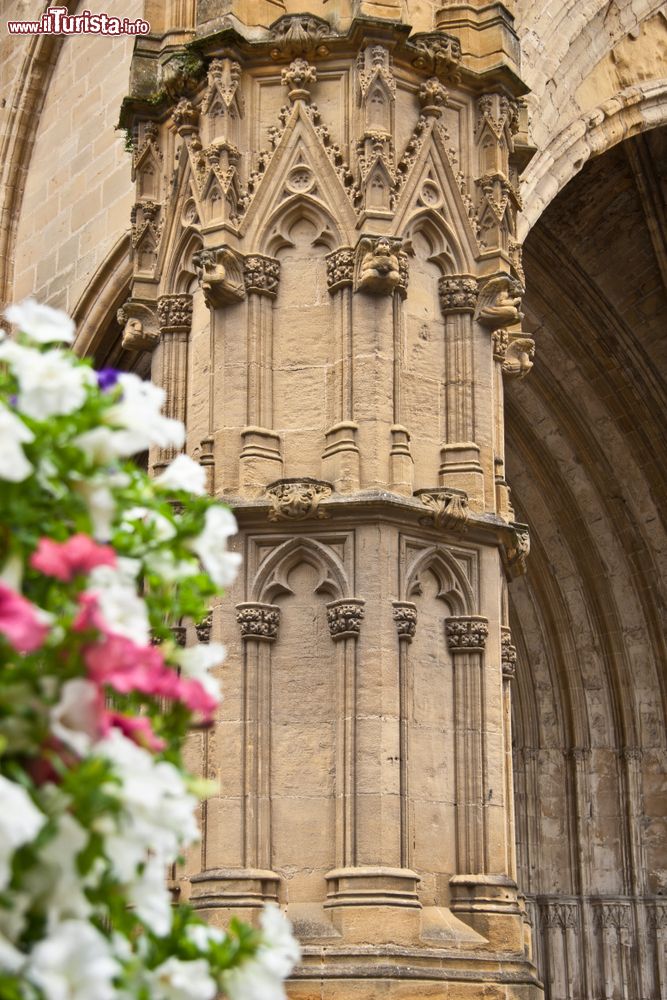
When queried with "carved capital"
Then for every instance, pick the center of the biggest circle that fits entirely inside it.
(140, 328)
(203, 629)
(340, 268)
(432, 97)
(404, 614)
(616, 915)
(466, 634)
(297, 78)
(631, 754)
(458, 293)
(174, 313)
(580, 755)
(381, 266)
(447, 509)
(258, 621)
(179, 634)
(261, 274)
(507, 653)
(185, 117)
(220, 273)
(562, 915)
(297, 499)
(345, 617)
(657, 916)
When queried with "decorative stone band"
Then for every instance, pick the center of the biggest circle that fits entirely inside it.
(458, 293)
(405, 616)
(345, 617)
(224, 887)
(507, 653)
(203, 629)
(174, 313)
(467, 634)
(340, 268)
(297, 499)
(258, 621)
(612, 914)
(372, 887)
(657, 916)
(555, 913)
(261, 274)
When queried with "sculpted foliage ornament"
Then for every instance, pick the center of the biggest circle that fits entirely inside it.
(174, 312)
(261, 274)
(345, 618)
(297, 499)
(437, 54)
(457, 293)
(297, 78)
(258, 621)
(404, 614)
(466, 634)
(448, 509)
(299, 34)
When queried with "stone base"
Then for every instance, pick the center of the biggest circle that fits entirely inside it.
(231, 890)
(490, 904)
(341, 458)
(374, 904)
(260, 461)
(460, 467)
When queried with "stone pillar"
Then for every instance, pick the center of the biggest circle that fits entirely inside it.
(508, 663)
(261, 458)
(460, 455)
(341, 457)
(405, 618)
(169, 367)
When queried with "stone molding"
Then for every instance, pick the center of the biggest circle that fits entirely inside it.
(467, 633)
(344, 617)
(258, 621)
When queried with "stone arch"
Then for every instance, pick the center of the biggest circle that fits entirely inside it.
(446, 252)
(180, 271)
(454, 587)
(95, 312)
(272, 577)
(636, 109)
(275, 235)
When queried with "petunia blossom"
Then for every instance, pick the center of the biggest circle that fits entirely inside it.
(22, 624)
(41, 323)
(64, 560)
(14, 466)
(137, 728)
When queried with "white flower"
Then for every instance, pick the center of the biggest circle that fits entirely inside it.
(137, 415)
(74, 963)
(203, 935)
(99, 444)
(75, 719)
(211, 546)
(261, 977)
(122, 609)
(164, 564)
(177, 980)
(161, 527)
(56, 881)
(101, 506)
(11, 959)
(14, 466)
(50, 382)
(184, 474)
(41, 323)
(149, 895)
(20, 822)
(196, 661)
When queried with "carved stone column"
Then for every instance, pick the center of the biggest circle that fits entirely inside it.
(508, 664)
(340, 459)
(460, 465)
(261, 458)
(405, 618)
(170, 363)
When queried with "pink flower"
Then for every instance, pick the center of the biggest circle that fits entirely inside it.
(89, 615)
(137, 728)
(64, 560)
(20, 621)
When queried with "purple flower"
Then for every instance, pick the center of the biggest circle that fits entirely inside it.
(107, 378)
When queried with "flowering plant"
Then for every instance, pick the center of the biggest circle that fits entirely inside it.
(98, 562)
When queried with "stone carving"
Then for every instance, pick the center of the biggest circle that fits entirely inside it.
(174, 312)
(432, 97)
(340, 268)
(612, 915)
(146, 233)
(203, 629)
(373, 65)
(518, 356)
(140, 331)
(466, 634)
(437, 54)
(501, 339)
(220, 273)
(179, 633)
(297, 499)
(405, 616)
(297, 77)
(507, 653)
(299, 34)
(261, 274)
(345, 617)
(657, 916)
(258, 621)
(379, 268)
(517, 547)
(497, 112)
(499, 302)
(185, 117)
(448, 509)
(457, 293)
(557, 914)
(224, 76)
